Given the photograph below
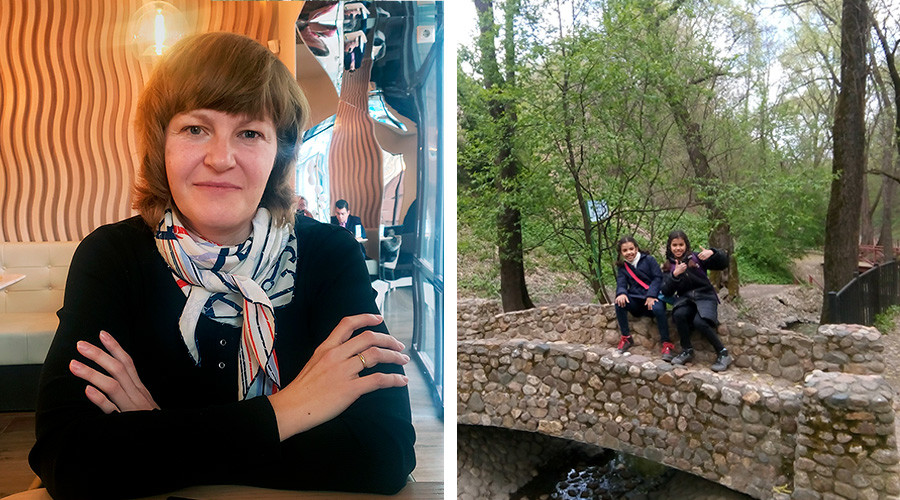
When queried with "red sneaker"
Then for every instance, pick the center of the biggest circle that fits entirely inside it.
(625, 343)
(667, 351)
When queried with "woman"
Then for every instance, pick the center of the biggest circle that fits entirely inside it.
(696, 303)
(637, 287)
(216, 338)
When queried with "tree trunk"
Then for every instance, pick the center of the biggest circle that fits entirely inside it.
(887, 198)
(866, 210)
(513, 290)
(885, 238)
(848, 167)
(886, 130)
(720, 237)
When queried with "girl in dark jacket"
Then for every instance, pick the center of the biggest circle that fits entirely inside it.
(637, 287)
(696, 301)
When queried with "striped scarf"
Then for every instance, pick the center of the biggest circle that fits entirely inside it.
(238, 286)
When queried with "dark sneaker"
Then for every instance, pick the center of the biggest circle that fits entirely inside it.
(668, 351)
(722, 361)
(625, 343)
(686, 356)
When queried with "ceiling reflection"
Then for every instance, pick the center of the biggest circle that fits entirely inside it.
(371, 51)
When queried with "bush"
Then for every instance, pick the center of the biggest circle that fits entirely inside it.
(752, 271)
(886, 320)
(778, 216)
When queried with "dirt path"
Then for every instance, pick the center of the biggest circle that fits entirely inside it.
(774, 306)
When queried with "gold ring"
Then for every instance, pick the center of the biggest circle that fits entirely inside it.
(363, 359)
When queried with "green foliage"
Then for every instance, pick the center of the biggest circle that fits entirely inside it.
(478, 269)
(886, 320)
(753, 272)
(775, 217)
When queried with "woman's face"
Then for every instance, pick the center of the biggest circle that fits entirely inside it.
(678, 247)
(217, 165)
(628, 250)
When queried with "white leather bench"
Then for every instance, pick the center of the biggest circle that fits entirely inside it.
(28, 314)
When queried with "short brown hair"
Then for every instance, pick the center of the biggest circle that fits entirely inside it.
(224, 72)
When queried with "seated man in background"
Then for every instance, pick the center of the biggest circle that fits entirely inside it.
(349, 222)
(301, 207)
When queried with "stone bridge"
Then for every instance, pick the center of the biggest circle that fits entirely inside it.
(796, 417)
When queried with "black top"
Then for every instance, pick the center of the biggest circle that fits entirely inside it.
(694, 285)
(118, 282)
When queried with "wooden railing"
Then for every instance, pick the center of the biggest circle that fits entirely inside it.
(873, 254)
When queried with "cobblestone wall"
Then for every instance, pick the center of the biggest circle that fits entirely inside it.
(783, 427)
(846, 443)
(779, 353)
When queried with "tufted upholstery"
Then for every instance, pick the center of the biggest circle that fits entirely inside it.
(28, 308)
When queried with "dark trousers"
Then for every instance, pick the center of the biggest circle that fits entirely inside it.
(686, 319)
(637, 307)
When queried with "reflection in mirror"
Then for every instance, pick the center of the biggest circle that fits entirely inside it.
(377, 139)
(389, 31)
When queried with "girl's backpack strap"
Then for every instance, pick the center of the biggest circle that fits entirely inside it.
(639, 282)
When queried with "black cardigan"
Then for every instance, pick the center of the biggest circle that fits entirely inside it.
(202, 435)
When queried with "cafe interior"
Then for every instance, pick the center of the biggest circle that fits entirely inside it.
(71, 73)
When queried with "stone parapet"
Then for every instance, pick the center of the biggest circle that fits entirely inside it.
(779, 353)
(475, 317)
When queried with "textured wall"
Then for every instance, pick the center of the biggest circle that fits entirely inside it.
(68, 88)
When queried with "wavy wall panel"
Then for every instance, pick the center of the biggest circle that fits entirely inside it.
(355, 158)
(69, 84)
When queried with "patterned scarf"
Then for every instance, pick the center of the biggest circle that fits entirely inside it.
(238, 286)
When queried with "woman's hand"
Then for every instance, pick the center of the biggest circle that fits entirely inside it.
(705, 253)
(122, 390)
(621, 300)
(330, 381)
(680, 268)
(650, 302)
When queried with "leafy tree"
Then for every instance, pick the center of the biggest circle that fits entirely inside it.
(500, 162)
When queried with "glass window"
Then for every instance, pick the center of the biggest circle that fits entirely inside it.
(428, 279)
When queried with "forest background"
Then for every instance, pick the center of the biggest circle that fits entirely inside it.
(582, 121)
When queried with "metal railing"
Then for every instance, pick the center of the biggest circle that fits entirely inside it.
(867, 295)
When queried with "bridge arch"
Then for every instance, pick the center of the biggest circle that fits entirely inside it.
(804, 418)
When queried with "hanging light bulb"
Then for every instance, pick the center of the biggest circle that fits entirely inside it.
(159, 32)
(155, 27)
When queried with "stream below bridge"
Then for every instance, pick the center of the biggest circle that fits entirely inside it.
(611, 475)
